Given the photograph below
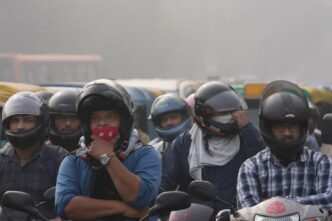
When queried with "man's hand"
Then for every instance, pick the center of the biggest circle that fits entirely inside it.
(241, 117)
(130, 212)
(99, 146)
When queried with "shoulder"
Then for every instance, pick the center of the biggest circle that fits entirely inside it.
(260, 158)
(183, 141)
(146, 149)
(53, 149)
(316, 157)
(74, 161)
(144, 157)
(249, 128)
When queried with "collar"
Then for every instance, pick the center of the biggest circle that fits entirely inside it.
(9, 151)
(267, 155)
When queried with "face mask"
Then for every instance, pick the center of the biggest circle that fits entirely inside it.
(106, 133)
(223, 119)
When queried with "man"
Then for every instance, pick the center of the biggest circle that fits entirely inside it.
(116, 177)
(216, 145)
(26, 163)
(66, 128)
(285, 168)
(171, 116)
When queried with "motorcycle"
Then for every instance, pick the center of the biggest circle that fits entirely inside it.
(23, 202)
(273, 209)
(165, 202)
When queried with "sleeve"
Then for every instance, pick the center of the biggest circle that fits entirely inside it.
(67, 185)
(248, 187)
(323, 186)
(168, 179)
(253, 139)
(148, 168)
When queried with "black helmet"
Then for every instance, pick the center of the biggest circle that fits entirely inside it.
(64, 103)
(283, 101)
(105, 94)
(26, 103)
(216, 96)
(168, 103)
(327, 129)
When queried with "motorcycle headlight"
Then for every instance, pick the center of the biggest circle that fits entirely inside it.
(293, 217)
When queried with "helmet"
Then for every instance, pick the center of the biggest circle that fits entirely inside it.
(283, 101)
(168, 103)
(215, 96)
(63, 103)
(104, 94)
(191, 100)
(327, 129)
(30, 104)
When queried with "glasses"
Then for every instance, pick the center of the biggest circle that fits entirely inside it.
(106, 117)
(281, 128)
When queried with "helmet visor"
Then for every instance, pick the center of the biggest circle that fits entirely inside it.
(226, 101)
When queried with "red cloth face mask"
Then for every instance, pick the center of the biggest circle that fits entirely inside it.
(106, 133)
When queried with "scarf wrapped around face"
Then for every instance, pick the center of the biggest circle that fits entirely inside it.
(220, 151)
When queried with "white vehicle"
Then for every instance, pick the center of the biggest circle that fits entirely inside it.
(279, 209)
(273, 209)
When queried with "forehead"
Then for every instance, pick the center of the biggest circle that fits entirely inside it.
(172, 114)
(285, 123)
(23, 116)
(101, 112)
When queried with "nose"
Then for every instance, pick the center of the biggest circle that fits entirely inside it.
(287, 131)
(20, 125)
(102, 122)
(68, 121)
(169, 121)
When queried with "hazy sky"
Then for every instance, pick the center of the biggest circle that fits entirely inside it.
(258, 39)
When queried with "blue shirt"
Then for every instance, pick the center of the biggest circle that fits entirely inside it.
(307, 180)
(74, 178)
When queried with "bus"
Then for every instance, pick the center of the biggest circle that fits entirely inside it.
(49, 68)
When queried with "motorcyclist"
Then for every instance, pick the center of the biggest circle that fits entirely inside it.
(26, 163)
(113, 176)
(285, 168)
(218, 142)
(65, 126)
(171, 116)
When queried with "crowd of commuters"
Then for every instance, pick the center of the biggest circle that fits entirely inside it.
(86, 144)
